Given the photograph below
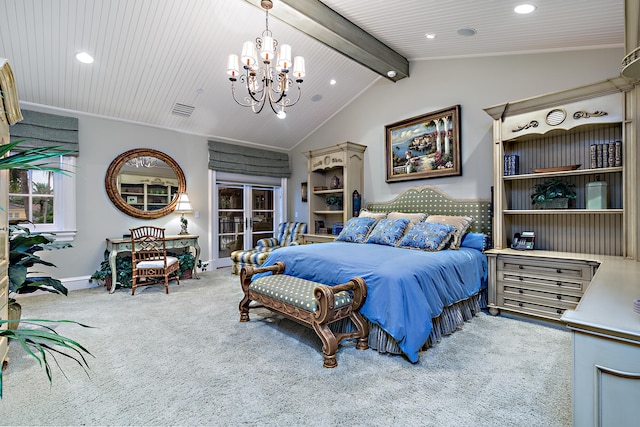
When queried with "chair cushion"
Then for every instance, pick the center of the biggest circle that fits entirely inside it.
(159, 263)
(267, 242)
(294, 291)
(289, 232)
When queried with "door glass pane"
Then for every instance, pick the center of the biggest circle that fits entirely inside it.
(230, 220)
(262, 213)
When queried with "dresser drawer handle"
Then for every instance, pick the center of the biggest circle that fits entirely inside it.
(559, 311)
(520, 304)
(559, 283)
(521, 291)
(558, 271)
(521, 267)
(520, 278)
(559, 297)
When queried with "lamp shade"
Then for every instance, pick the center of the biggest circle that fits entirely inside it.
(298, 67)
(248, 56)
(233, 68)
(184, 205)
(284, 57)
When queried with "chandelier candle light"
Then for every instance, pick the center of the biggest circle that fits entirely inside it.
(269, 81)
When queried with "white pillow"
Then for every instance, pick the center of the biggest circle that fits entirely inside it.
(413, 218)
(375, 215)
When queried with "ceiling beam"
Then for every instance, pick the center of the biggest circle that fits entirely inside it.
(315, 19)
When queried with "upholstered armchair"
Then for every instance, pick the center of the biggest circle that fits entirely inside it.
(287, 234)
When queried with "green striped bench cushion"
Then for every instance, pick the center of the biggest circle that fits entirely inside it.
(294, 291)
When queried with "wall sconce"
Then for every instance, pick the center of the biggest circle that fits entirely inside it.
(183, 207)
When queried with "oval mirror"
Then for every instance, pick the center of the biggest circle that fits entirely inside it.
(144, 183)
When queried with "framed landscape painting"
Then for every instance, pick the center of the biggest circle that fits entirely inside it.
(426, 146)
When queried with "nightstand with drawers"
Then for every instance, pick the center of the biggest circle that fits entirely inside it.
(537, 283)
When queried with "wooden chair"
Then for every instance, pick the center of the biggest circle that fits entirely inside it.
(149, 258)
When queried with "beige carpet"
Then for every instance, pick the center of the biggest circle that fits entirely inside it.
(184, 359)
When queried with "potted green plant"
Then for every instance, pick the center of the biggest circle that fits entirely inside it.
(334, 201)
(124, 272)
(187, 264)
(553, 194)
(23, 245)
(44, 340)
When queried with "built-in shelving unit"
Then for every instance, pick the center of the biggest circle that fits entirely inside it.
(569, 136)
(337, 170)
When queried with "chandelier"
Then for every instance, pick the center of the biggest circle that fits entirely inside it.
(269, 81)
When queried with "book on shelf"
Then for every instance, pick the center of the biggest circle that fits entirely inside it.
(605, 155)
(511, 164)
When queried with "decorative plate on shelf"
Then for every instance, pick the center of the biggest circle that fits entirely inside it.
(557, 169)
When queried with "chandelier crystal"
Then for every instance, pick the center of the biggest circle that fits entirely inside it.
(268, 74)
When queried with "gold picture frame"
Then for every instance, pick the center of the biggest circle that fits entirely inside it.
(426, 146)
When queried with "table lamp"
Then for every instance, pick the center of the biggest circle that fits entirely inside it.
(183, 206)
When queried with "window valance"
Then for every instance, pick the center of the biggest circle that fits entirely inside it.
(46, 130)
(245, 160)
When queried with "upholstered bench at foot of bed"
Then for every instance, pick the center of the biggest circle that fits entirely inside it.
(312, 304)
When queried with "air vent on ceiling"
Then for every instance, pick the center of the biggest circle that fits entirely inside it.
(182, 110)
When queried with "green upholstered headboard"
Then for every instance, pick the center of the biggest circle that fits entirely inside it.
(433, 201)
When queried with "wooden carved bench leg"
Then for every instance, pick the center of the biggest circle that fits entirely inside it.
(245, 281)
(363, 329)
(329, 344)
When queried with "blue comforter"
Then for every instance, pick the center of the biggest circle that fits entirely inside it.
(406, 288)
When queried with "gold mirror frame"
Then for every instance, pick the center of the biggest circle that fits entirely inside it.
(111, 183)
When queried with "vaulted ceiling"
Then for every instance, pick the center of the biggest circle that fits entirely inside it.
(153, 54)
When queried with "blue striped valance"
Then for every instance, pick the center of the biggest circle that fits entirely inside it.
(46, 130)
(248, 160)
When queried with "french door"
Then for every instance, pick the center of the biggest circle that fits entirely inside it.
(246, 213)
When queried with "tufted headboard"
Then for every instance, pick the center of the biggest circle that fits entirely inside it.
(433, 201)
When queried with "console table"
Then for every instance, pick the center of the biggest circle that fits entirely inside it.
(115, 245)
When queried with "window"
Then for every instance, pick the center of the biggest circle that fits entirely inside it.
(44, 200)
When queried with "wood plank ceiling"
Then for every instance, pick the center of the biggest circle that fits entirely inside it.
(152, 54)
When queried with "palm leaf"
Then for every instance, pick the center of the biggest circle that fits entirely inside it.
(28, 159)
(40, 342)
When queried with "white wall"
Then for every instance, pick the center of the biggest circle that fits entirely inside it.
(474, 83)
(101, 141)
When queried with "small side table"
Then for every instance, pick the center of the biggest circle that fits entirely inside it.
(116, 245)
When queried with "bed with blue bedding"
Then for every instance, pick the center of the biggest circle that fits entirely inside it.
(414, 296)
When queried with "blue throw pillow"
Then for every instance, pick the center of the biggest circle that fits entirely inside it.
(427, 236)
(388, 231)
(356, 230)
(477, 241)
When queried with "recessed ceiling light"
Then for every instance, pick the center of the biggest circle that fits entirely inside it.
(524, 8)
(430, 36)
(391, 73)
(467, 32)
(332, 82)
(84, 57)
